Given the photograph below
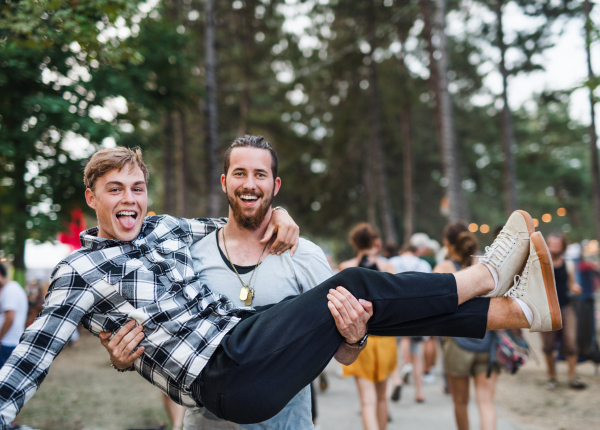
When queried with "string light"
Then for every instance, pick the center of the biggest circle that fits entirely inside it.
(536, 222)
(546, 217)
(151, 213)
(484, 228)
(473, 227)
(561, 212)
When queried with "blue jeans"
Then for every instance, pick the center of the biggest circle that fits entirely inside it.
(5, 352)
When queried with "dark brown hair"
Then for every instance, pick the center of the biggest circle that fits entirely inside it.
(563, 237)
(253, 142)
(462, 241)
(106, 160)
(363, 236)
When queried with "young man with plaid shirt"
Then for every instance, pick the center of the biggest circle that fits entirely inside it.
(243, 364)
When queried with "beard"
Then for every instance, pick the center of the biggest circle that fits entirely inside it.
(249, 222)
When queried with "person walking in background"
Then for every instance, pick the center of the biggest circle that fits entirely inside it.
(378, 359)
(566, 284)
(466, 358)
(407, 261)
(13, 314)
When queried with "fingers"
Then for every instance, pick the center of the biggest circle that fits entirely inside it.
(269, 233)
(104, 337)
(292, 239)
(132, 340)
(353, 313)
(367, 306)
(122, 332)
(339, 321)
(337, 299)
(136, 355)
(351, 300)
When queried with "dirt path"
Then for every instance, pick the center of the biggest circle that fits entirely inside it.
(525, 399)
(82, 391)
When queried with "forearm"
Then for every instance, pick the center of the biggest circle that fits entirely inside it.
(8, 322)
(346, 354)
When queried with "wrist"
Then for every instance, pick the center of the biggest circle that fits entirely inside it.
(127, 369)
(358, 344)
(280, 208)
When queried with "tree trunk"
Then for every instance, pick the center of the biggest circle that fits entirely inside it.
(587, 6)
(21, 232)
(508, 136)
(427, 12)
(212, 145)
(168, 160)
(247, 37)
(450, 159)
(407, 158)
(369, 184)
(182, 153)
(407, 165)
(390, 237)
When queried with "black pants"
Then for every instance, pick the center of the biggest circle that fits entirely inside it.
(273, 354)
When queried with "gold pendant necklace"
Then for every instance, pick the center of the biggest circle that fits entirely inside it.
(247, 293)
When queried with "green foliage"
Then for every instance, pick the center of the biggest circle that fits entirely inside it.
(304, 90)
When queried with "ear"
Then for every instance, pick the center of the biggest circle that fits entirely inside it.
(277, 186)
(90, 198)
(224, 184)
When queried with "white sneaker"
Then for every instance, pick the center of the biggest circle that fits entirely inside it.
(508, 253)
(536, 287)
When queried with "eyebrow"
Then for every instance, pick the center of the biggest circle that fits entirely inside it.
(244, 169)
(113, 183)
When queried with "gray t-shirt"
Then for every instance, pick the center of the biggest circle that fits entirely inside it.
(277, 277)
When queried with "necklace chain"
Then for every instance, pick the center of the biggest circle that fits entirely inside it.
(235, 270)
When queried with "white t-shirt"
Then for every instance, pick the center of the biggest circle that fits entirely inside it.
(13, 298)
(277, 277)
(409, 263)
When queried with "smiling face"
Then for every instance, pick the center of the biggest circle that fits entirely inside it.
(120, 199)
(250, 186)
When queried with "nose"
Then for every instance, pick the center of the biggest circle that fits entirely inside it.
(128, 197)
(250, 183)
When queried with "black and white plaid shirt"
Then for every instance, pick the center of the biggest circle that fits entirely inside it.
(108, 282)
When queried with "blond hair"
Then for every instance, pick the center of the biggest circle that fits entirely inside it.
(106, 160)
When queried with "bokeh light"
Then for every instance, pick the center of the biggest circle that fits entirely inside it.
(561, 212)
(536, 222)
(473, 227)
(484, 228)
(546, 217)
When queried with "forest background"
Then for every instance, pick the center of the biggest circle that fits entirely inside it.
(379, 111)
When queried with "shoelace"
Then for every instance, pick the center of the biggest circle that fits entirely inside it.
(520, 283)
(499, 249)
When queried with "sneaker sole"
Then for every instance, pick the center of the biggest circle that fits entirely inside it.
(529, 221)
(548, 275)
(530, 229)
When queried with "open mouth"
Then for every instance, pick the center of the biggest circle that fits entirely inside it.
(127, 218)
(248, 200)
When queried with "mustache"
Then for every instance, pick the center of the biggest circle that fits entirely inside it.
(249, 193)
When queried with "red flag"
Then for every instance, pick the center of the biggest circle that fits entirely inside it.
(76, 226)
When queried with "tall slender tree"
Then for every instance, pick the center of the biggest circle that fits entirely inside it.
(168, 164)
(436, 21)
(508, 136)
(212, 138)
(587, 7)
(389, 229)
(182, 161)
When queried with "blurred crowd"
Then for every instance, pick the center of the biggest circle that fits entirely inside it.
(380, 372)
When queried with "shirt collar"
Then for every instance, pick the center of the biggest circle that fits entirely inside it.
(89, 239)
